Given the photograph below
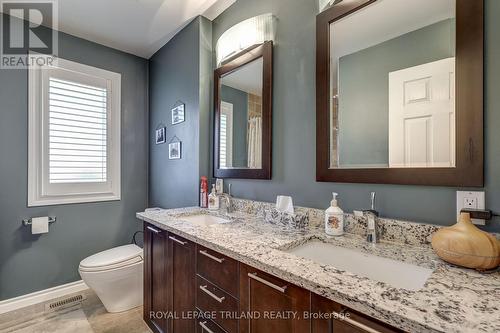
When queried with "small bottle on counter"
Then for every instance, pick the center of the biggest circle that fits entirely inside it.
(213, 199)
(204, 192)
(334, 218)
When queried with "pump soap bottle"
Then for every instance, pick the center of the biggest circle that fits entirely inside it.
(334, 218)
(213, 199)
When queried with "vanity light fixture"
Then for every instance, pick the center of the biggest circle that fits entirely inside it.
(255, 30)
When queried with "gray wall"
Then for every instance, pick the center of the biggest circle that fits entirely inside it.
(364, 89)
(294, 123)
(29, 263)
(239, 99)
(177, 73)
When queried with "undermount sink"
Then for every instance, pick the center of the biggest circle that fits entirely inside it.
(204, 220)
(398, 274)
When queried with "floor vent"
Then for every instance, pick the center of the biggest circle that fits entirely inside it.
(64, 302)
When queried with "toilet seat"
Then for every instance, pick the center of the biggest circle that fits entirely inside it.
(117, 257)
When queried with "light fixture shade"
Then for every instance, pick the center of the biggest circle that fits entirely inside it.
(324, 4)
(255, 30)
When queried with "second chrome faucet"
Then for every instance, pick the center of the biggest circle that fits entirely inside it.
(371, 216)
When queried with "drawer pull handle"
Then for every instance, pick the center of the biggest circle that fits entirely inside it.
(203, 325)
(153, 230)
(354, 323)
(208, 255)
(209, 293)
(177, 241)
(267, 283)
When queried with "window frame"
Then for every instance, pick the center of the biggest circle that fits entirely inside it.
(40, 191)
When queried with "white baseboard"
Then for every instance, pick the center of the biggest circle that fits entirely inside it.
(41, 296)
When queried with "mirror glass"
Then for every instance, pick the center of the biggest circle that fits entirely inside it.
(240, 123)
(392, 81)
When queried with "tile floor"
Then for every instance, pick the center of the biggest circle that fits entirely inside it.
(89, 317)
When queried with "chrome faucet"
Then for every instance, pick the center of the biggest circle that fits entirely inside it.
(371, 216)
(228, 200)
(371, 229)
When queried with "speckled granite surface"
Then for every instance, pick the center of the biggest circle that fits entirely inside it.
(452, 300)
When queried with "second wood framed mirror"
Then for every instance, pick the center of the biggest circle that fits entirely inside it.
(400, 92)
(243, 115)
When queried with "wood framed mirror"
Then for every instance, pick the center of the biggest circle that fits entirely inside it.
(399, 92)
(243, 115)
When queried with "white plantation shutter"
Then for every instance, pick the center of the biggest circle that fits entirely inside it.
(77, 132)
(226, 135)
(74, 134)
(223, 140)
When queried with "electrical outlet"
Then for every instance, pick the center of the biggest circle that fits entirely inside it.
(470, 200)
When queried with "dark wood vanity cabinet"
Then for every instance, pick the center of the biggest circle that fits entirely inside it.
(169, 283)
(181, 282)
(278, 305)
(181, 277)
(329, 323)
(156, 293)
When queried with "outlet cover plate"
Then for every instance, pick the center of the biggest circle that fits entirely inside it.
(473, 200)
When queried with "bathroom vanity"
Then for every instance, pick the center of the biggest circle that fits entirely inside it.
(201, 290)
(214, 272)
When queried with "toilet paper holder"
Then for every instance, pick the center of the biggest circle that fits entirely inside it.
(27, 222)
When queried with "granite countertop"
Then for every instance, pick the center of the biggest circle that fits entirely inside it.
(452, 300)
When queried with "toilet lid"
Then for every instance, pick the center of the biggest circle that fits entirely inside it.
(113, 258)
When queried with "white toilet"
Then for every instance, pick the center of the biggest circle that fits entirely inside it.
(115, 275)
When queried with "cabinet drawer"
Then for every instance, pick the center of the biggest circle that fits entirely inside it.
(208, 326)
(262, 293)
(211, 298)
(356, 323)
(218, 269)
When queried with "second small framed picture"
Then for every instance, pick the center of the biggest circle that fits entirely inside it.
(174, 150)
(178, 114)
(160, 135)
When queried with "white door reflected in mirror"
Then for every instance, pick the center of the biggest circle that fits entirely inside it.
(422, 116)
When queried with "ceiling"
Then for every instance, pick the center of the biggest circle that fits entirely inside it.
(247, 78)
(140, 27)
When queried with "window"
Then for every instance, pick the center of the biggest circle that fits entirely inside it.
(74, 134)
(226, 135)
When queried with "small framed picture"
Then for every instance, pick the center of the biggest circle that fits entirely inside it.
(160, 135)
(174, 150)
(178, 114)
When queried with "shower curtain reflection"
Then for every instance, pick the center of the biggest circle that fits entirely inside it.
(255, 143)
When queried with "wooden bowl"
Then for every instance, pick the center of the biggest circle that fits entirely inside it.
(463, 244)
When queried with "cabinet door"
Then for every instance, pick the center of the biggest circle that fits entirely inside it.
(355, 322)
(182, 282)
(155, 278)
(275, 305)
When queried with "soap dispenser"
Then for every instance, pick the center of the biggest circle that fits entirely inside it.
(213, 199)
(334, 218)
